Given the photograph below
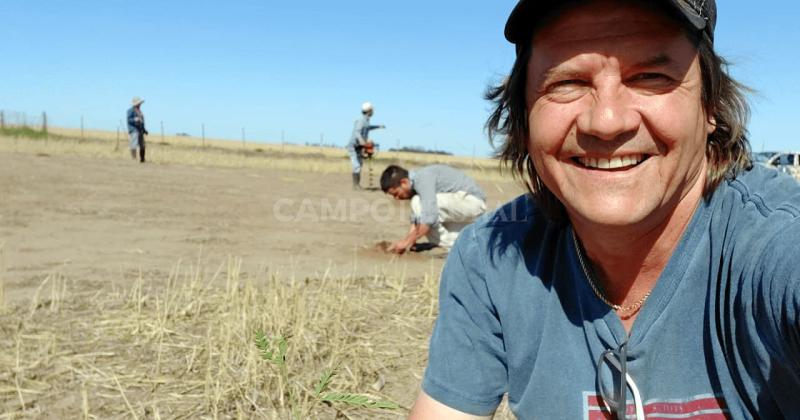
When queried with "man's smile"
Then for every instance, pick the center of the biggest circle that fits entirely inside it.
(611, 163)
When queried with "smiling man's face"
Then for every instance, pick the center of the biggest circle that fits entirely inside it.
(617, 126)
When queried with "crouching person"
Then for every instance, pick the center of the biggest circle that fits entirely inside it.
(443, 201)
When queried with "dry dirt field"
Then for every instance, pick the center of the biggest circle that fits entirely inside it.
(134, 291)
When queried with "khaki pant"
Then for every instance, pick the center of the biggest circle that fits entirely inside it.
(456, 211)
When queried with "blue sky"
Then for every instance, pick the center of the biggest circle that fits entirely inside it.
(300, 70)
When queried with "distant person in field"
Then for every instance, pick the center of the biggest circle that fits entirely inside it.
(359, 139)
(136, 129)
(443, 201)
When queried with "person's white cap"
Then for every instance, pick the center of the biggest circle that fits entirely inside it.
(137, 101)
(366, 107)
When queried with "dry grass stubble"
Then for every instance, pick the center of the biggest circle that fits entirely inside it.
(183, 347)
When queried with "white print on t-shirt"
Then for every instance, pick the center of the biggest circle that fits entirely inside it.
(705, 407)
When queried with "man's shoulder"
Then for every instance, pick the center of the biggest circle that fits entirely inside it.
(428, 172)
(508, 226)
(765, 193)
(436, 167)
(521, 211)
(440, 169)
(759, 208)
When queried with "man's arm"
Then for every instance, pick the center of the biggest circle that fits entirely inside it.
(417, 231)
(467, 368)
(426, 408)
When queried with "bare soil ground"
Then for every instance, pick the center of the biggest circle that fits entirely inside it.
(130, 290)
(105, 220)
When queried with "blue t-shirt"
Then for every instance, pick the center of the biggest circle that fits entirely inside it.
(718, 337)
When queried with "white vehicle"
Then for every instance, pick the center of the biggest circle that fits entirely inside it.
(788, 162)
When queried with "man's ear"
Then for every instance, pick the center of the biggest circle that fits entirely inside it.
(711, 124)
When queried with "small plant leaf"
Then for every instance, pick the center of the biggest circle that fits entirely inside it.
(267, 348)
(358, 400)
(324, 381)
(262, 343)
(283, 345)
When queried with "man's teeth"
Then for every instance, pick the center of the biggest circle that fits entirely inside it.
(612, 163)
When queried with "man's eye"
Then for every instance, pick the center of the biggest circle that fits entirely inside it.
(566, 87)
(565, 90)
(652, 82)
(645, 76)
(650, 78)
(568, 82)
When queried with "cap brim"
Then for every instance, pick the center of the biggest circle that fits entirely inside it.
(516, 29)
(528, 13)
(697, 21)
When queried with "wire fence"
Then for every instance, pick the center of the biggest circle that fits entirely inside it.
(15, 119)
(16, 124)
(39, 122)
(38, 125)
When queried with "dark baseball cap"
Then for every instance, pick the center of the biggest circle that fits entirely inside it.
(699, 14)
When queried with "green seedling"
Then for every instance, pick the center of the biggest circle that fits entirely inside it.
(274, 351)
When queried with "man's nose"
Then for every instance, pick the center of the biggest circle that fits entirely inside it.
(611, 113)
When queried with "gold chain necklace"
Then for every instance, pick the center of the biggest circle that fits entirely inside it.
(630, 309)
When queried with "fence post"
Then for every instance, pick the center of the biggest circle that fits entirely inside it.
(44, 127)
(162, 131)
(243, 145)
(2, 120)
(122, 126)
(81, 127)
(203, 130)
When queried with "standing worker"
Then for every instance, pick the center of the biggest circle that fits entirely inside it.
(136, 129)
(358, 140)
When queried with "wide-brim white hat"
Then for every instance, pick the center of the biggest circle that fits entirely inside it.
(137, 101)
